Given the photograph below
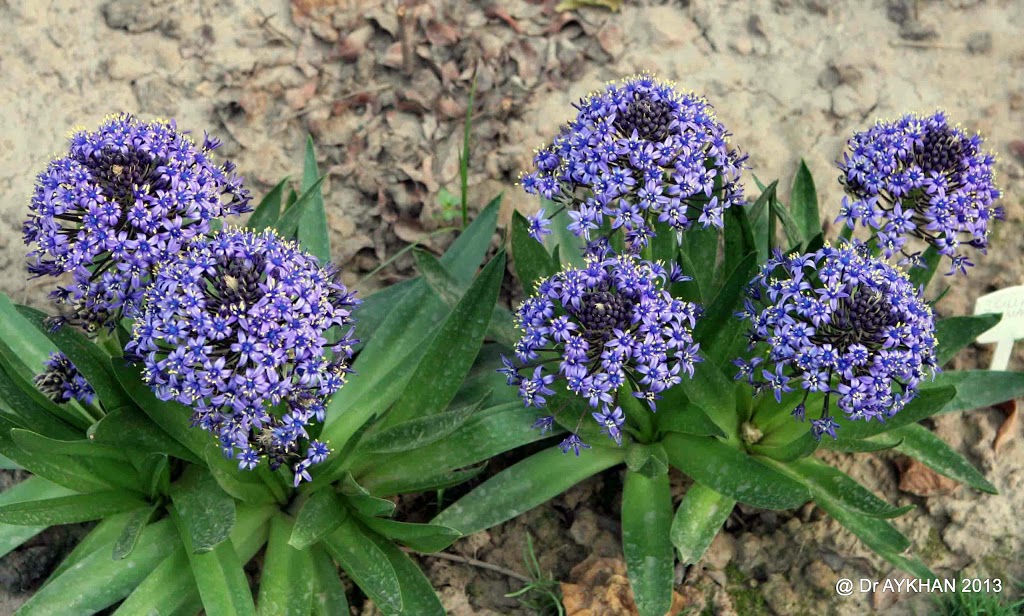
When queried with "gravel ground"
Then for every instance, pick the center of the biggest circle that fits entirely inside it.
(383, 92)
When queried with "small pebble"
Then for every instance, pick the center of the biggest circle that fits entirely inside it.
(979, 42)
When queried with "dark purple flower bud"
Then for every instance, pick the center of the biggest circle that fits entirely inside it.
(919, 177)
(638, 153)
(597, 328)
(842, 324)
(61, 381)
(124, 197)
(255, 336)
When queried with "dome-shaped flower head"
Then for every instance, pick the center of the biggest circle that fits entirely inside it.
(598, 328)
(61, 382)
(124, 197)
(839, 323)
(920, 177)
(245, 328)
(636, 153)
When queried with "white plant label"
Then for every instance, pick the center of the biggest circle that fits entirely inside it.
(1009, 302)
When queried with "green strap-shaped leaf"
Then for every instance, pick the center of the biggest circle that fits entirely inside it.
(269, 209)
(484, 435)
(218, 573)
(846, 491)
(366, 564)
(101, 537)
(21, 410)
(500, 328)
(130, 427)
(31, 489)
(452, 351)
(418, 596)
(418, 432)
(955, 333)
(922, 444)
(875, 532)
(79, 474)
(313, 224)
(927, 403)
(525, 485)
(484, 380)
(921, 276)
(165, 591)
(977, 389)
(205, 511)
(799, 447)
(319, 516)
(288, 225)
(286, 582)
(700, 246)
(388, 359)
(361, 501)
(699, 517)
(562, 242)
(793, 233)
(242, 485)
(84, 448)
(172, 418)
(732, 472)
(532, 261)
(168, 591)
(647, 460)
(759, 219)
(429, 482)
(714, 392)
(739, 239)
(23, 350)
(329, 593)
(712, 331)
(88, 358)
(98, 581)
(377, 306)
(880, 442)
(804, 203)
(425, 538)
(133, 528)
(646, 520)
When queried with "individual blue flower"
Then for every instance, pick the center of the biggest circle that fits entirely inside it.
(639, 153)
(919, 177)
(840, 323)
(123, 198)
(247, 330)
(61, 381)
(597, 329)
(538, 225)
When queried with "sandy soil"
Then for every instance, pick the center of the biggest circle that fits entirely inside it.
(383, 96)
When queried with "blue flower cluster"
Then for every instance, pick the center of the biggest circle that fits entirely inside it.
(599, 328)
(637, 153)
(61, 382)
(920, 177)
(125, 197)
(843, 324)
(237, 327)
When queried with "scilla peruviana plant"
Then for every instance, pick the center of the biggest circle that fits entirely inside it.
(211, 413)
(664, 326)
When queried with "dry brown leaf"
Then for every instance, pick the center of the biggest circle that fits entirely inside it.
(572, 5)
(916, 478)
(354, 43)
(297, 98)
(441, 34)
(601, 588)
(496, 12)
(1008, 427)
